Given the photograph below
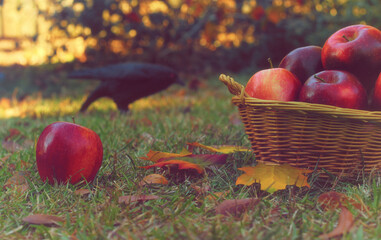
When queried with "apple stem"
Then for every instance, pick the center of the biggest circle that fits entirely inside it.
(271, 63)
(345, 37)
(321, 79)
(72, 118)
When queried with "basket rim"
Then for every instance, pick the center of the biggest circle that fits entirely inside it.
(240, 98)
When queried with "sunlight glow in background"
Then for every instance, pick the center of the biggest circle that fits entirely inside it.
(26, 37)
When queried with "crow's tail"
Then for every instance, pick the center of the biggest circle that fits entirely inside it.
(99, 92)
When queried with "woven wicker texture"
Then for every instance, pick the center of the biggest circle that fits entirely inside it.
(339, 141)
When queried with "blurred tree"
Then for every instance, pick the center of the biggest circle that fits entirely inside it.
(199, 35)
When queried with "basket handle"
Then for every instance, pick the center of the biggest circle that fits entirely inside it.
(234, 87)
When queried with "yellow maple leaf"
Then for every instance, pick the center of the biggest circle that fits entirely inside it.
(155, 156)
(273, 177)
(226, 149)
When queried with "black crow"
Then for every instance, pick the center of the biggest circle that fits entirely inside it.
(127, 82)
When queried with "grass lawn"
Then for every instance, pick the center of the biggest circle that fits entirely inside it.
(164, 122)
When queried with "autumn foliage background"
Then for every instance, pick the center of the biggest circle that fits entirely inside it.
(195, 37)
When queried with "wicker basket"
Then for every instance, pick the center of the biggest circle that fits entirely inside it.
(339, 141)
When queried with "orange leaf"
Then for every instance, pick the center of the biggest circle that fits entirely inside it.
(43, 219)
(236, 206)
(333, 200)
(344, 224)
(154, 179)
(181, 165)
(155, 156)
(273, 177)
(221, 149)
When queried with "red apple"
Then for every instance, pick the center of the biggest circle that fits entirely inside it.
(376, 99)
(334, 87)
(356, 49)
(303, 62)
(67, 152)
(274, 84)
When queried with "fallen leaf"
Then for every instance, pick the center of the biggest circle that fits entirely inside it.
(201, 190)
(344, 224)
(136, 198)
(221, 149)
(333, 200)
(206, 158)
(4, 159)
(155, 156)
(13, 132)
(154, 179)
(43, 219)
(180, 164)
(17, 182)
(24, 164)
(273, 177)
(236, 207)
(145, 121)
(217, 195)
(148, 138)
(28, 143)
(82, 192)
(11, 146)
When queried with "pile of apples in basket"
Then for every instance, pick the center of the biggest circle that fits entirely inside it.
(345, 72)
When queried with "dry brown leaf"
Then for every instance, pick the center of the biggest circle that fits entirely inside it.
(146, 121)
(136, 198)
(344, 225)
(28, 143)
(154, 179)
(17, 182)
(333, 200)
(13, 132)
(43, 219)
(236, 207)
(217, 195)
(201, 190)
(82, 192)
(11, 146)
(180, 164)
(4, 159)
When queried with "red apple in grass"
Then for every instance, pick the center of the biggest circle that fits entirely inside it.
(356, 49)
(376, 99)
(334, 87)
(67, 152)
(303, 62)
(274, 84)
